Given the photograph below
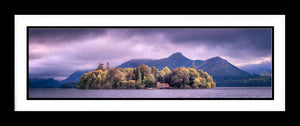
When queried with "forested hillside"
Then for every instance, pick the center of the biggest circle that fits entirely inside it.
(143, 76)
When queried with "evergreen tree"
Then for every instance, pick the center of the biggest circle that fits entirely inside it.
(138, 77)
(107, 65)
(193, 64)
(137, 73)
(100, 67)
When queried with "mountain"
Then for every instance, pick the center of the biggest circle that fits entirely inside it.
(217, 67)
(173, 61)
(43, 83)
(221, 69)
(260, 69)
(52, 83)
(75, 76)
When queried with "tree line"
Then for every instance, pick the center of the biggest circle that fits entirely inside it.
(143, 76)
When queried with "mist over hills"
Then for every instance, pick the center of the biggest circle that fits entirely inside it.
(51, 83)
(259, 69)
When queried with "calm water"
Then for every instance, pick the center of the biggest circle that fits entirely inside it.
(218, 92)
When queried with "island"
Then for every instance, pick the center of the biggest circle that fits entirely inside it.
(144, 77)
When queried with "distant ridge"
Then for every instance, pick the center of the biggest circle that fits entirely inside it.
(259, 69)
(75, 76)
(43, 83)
(173, 61)
(217, 67)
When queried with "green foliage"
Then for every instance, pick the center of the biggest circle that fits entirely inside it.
(149, 81)
(143, 76)
(83, 81)
(180, 77)
(145, 71)
(69, 85)
(190, 78)
(166, 70)
(263, 81)
(138, 74)
(128, 84)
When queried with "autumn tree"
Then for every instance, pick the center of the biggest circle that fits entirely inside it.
(162, 76)
(180, 77)
(116, 76)
(129, 73)
(145, 71)
(193, 74)
(143, 76)
(100, 67)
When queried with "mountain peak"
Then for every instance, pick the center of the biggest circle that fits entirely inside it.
(216, 58)
(177, 54)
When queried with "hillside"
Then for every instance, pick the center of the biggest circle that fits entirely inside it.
(43, 83)
(217, 67)
(264, 68)
(221, 69)
(75, 76)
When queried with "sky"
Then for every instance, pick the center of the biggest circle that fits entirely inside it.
(58, 52)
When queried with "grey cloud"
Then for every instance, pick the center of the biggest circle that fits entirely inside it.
(59, 35)
(253, 38)
(120, 45)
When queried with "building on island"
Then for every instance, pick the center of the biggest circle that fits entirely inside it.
(162, 85)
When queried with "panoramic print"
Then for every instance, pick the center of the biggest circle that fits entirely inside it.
(149, 62)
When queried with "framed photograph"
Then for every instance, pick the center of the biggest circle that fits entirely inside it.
(150, 62)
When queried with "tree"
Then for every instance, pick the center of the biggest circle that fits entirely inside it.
(130, 76)
(149, 81)
(138, 78)
(107, 65)
(83, 81)
(145, 70)
(185, 75)
(154, 70)
(193, 74)
(128, 84)
(176, 81)
(166, 70)
(138, 73)
(100, 67)
(193, 64)
(69, 85)
(144, 76)
(160, 76)
(115, 77)
(201, 72)
(180, 77)
(196, 83)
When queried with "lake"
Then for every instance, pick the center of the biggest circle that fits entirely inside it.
(218, 92)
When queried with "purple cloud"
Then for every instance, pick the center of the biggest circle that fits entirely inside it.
(57, 52)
